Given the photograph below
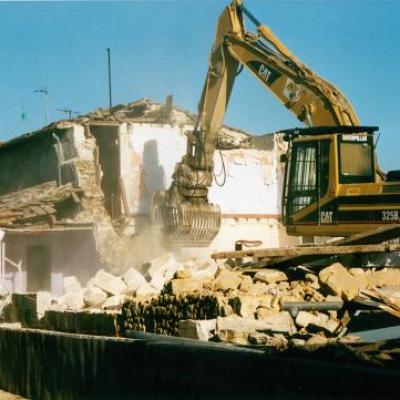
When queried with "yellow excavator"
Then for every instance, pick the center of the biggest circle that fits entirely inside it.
(333, 185)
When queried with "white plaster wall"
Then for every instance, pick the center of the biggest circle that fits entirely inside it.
(149, 153)
(251, 185)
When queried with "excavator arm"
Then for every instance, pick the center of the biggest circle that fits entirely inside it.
(183, 210)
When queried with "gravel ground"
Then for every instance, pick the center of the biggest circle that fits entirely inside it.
(10, 396)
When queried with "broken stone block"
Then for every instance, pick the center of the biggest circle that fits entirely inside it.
(262, 312)
(223, 305)
(312, 281)
(245, 306)
(146, 290)
(94, 296)
(209, 284)
(281, 322)
(339, 281)
(43, 303)
(234, 336)
(317, 341)
(114, 302)
(304, 319)
(179, 287)
(183, 274)
(265, 300)
(246, 283)
(165, 266)
(72, 301)
(133, 279)
(297, 342)
(206, 271)
(197, 329)
(385, 277)
(226, 280)
(279, 341)
(108, 282)
(158, 281)
(258, 289)
(71, 284)
(270, 276)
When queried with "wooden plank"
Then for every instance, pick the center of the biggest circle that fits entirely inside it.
(308, 251)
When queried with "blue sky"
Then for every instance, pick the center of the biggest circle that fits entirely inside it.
(161, 47)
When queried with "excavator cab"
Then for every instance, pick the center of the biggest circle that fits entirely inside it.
(330, 175)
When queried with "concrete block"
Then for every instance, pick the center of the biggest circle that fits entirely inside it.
(94, 296)
(270, 276)
(108, 282)
(133, 279)
(197, 329)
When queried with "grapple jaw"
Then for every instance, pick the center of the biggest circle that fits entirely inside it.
(186, 223)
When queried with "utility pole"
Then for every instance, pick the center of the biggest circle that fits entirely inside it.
(67, 111)
(109, 77)
(45, 93)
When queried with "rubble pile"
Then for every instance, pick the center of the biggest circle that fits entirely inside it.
(295, 308)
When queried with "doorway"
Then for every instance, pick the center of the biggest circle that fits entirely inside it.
(38, 268)
(108, 143)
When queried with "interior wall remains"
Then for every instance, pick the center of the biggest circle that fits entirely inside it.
(70, 253)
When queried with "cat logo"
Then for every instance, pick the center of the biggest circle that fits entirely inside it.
(264, 72)
(326, 217)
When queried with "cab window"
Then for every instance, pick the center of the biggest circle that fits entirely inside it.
(356, 161)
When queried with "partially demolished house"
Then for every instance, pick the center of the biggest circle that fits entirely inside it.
(75, 196)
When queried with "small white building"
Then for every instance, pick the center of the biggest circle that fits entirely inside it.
(76, 195)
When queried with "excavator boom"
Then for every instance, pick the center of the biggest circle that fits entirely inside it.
(183, 210)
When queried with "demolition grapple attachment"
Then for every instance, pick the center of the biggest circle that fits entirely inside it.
(186, 224)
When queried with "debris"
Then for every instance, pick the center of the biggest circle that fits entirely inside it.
(179, 287)
(108, 282)
(226, 280)
(339, 281)
(270, 276)
(281, 322)
(94, 296)
(304, 319)
(133, 279)
(195, 329)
